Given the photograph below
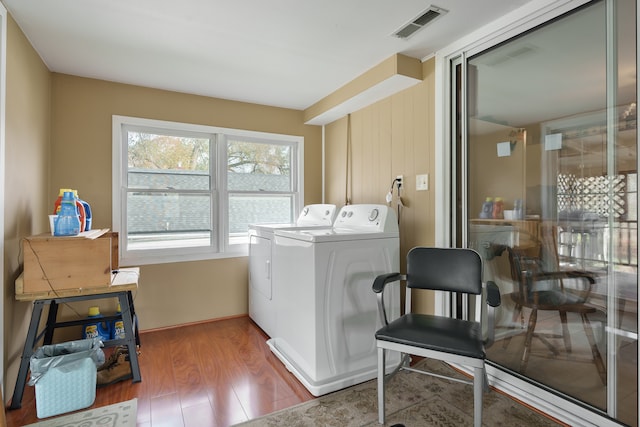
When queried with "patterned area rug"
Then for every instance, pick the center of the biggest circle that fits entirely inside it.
(121, 414)
(413, 400)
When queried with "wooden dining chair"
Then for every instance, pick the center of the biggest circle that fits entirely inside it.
(540, 286)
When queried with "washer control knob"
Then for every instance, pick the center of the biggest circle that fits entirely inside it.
(350, 214)
(373, 215)
(305, 211)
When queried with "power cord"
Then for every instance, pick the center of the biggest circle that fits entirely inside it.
(397, 183)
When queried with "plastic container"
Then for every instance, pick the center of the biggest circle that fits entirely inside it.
(64, 376)
(68, 222)
(117, 327)
(100, 330)
(498, 208)
(80, 207)
(518, 212)
(52, 223)
(87, 214)
(487, 208)
(56, 205)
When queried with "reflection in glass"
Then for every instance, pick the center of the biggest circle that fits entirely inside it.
(545, 140)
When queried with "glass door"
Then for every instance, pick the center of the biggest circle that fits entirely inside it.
(548, 156)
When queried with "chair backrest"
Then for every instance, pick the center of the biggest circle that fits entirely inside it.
(549, 246)
(538, 256)
(525, 265)
(445, 269)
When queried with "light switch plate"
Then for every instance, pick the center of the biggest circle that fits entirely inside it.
(422, 182)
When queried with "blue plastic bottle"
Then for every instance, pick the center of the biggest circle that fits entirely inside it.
(98, 329)
(117, 327)
(67, 223)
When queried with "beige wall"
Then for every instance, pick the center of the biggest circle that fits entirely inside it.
(27, 178)
(392, 137)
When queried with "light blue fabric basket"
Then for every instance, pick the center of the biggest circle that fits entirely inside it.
(64, 376)
(65, 389)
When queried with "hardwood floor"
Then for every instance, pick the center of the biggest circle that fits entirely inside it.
(211, 374)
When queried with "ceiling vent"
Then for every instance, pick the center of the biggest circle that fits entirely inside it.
(422, 20)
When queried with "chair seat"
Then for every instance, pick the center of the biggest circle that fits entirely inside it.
(437, 333)
(554, 300)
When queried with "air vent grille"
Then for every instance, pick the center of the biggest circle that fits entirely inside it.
(429, 15)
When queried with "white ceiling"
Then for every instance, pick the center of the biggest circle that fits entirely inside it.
(285, 53)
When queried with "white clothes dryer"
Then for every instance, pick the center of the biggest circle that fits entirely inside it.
(261, 295)
(327, 312)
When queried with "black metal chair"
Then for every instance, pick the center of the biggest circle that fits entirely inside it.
(437, 337)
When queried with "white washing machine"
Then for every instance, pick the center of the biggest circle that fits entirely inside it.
(326, 311)
(261, 295)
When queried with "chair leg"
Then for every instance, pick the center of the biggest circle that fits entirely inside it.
(478, 381)
(533, 319)
(597, 358)
(565, 331)
(517, 312)
(381, 369)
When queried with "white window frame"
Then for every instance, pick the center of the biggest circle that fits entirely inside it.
(220, 247)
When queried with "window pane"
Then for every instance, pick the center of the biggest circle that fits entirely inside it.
(251, 209)
(168, 220)
(173, 200)
(167, 162)
(258, 166)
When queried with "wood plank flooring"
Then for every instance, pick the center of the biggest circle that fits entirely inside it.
(210, 374)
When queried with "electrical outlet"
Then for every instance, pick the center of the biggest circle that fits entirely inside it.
(422, 182)
(399, 180)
